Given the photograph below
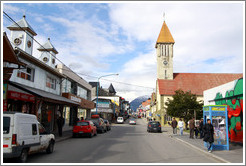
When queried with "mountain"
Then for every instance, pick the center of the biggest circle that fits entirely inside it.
(138, 101)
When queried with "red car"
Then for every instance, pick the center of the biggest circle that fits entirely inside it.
(139, 116)
(84, 127)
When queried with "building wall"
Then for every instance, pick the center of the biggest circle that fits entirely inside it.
(39, 79)
(24, 38)
(230, 94)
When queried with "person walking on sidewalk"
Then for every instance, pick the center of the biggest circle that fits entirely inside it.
(174, 126)
(192, 127)
(181, 125)
(201, 128)
(208, 130)
(60, 123)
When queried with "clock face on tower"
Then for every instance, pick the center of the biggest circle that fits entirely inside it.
(165, 63)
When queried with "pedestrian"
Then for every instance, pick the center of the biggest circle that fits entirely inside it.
(208, 130)
(181, 126)
(196, 131)
(201, 128)
(174, 126)
(192, 127)
(60, 123)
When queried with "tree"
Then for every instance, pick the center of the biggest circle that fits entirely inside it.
(183, 106)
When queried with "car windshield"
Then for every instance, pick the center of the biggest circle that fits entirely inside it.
(132, 119)
(120, 118)
(82, 123)
(154, 123)
(6, 125)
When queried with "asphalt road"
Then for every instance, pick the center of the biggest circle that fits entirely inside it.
(123, 144)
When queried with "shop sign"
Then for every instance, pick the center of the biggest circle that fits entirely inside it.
(75, 99)
(218, 108)
(20, 96)
(103, 104)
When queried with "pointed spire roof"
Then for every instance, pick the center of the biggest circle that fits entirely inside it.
(22, 24)
(165, 35)
(48, 47)
(111, 89)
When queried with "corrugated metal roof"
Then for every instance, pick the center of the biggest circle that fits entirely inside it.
(194, 82)
(44, 94)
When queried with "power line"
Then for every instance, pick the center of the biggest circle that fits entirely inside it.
(11, 19)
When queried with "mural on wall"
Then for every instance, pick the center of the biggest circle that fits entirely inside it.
(234, 99)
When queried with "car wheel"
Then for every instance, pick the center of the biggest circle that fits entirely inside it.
(50, 148)
(90, 136)
(23, 156)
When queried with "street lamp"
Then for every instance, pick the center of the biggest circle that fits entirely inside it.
(98, 86)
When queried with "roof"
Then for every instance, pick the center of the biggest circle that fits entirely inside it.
(22, 24)
(111, 89)
(94, 84)
(47, 96)
(165, 35)
(48, 47)
(194, 82)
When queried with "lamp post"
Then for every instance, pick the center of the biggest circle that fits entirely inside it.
(98, 86)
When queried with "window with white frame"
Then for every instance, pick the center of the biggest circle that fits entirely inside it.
(50, 82)
(82, 92)
(27, 73)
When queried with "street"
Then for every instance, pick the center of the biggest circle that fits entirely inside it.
(123, 144)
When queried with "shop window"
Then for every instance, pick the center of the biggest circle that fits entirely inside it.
(34, 129)
(50, 82)
(27, 74)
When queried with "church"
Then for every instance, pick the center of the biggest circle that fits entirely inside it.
(168, 82)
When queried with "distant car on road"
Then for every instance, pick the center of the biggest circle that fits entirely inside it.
(107, 124)
(120, 120)
(154, 126)
(84, 127)
(139, 116)
(132, 121)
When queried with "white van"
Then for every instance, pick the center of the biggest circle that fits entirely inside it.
(23, 135)
(120, 120)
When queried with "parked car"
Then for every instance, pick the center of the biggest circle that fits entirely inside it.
(139, 116)
(154, 126)
(107, 124)
(132, 121)
(24, 135)
(99, 123)
(84, 128)
(120, 120)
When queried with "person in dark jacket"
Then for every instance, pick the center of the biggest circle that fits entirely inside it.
(174, 126)
(201, 128)
(60, 123)
(192, 127)
(208, 130)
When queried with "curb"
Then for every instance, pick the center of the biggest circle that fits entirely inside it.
(208, 154)
(63, 139)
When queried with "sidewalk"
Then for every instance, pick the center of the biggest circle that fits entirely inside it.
(234, 155)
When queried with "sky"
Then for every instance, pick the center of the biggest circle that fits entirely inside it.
(96, 39)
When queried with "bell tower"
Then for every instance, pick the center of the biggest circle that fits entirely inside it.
(164, 52)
